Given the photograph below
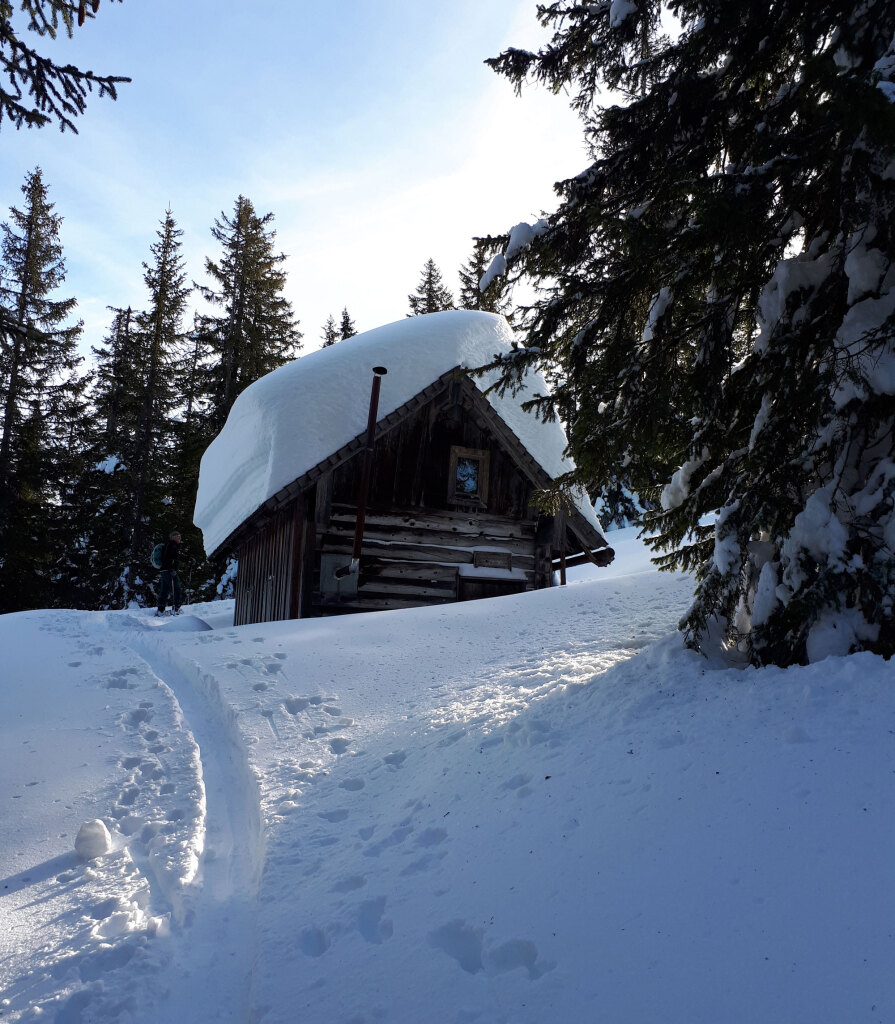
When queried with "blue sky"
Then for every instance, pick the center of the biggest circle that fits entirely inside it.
(370, 128)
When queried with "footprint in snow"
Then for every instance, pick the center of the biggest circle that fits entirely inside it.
(130, 824)
(119, 679)
(370, 921)
(352, 785)
(140, 714)
(513, 954)
(427, 862)
(431, 837)
(453, 738)
(314, 942)
(129, 796)
(465, 944)
(461, 942)
(517, 782)
(350, 884)
(333, 816)
(394, 838)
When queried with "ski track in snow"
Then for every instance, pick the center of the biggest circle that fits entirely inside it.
(137, 767)
(220, 921)
(184, 869)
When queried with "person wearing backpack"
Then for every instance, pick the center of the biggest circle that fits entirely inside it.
(169, 581)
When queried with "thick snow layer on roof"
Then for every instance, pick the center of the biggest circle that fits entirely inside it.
(290, 420)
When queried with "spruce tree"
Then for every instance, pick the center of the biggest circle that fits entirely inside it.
(115, 383)
(720, 300)
(189, 441)
(106, 490)
(41, 395)
(431, 295)
(69, 423)
(161, 347)
(495, 297)
(256, 330)
(26, 553)
(36, 89)
(346, 327)
(330, 333)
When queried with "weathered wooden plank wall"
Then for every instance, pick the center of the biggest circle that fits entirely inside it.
(410, 468)
(268, 564)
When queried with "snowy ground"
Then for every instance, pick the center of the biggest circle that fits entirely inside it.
(522, 810)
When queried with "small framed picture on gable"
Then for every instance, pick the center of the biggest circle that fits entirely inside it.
(468, 476)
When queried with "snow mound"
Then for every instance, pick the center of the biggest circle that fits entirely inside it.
(186, 624)
(93, 840)
(290, 420)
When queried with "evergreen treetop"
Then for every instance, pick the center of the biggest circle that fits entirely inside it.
(38, 355)
(41, 403)
(431, 295)
(256, 330)
(346, 327)
(494, 298)
(330, 333)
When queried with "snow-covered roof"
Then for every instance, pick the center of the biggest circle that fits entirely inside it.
(287, 422)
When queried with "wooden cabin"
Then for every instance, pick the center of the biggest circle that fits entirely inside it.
(449, 505)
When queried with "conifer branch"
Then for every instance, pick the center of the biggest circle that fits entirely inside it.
(36, 90)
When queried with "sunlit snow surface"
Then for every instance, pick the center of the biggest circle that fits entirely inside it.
(536, 808)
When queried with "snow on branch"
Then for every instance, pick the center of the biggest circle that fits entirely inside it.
(620, 11)
(496, 268)
(521, 237)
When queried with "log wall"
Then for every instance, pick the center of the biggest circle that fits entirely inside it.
(421, 558)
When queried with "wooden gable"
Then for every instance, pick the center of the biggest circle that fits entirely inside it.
(425, 541)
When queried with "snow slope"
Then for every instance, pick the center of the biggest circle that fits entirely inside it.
(528, 809)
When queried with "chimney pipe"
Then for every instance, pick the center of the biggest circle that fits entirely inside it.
(353, 567)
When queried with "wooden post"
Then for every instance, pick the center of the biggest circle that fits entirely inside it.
(562, 547)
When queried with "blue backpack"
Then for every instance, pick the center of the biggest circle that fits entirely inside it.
(156, 557)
